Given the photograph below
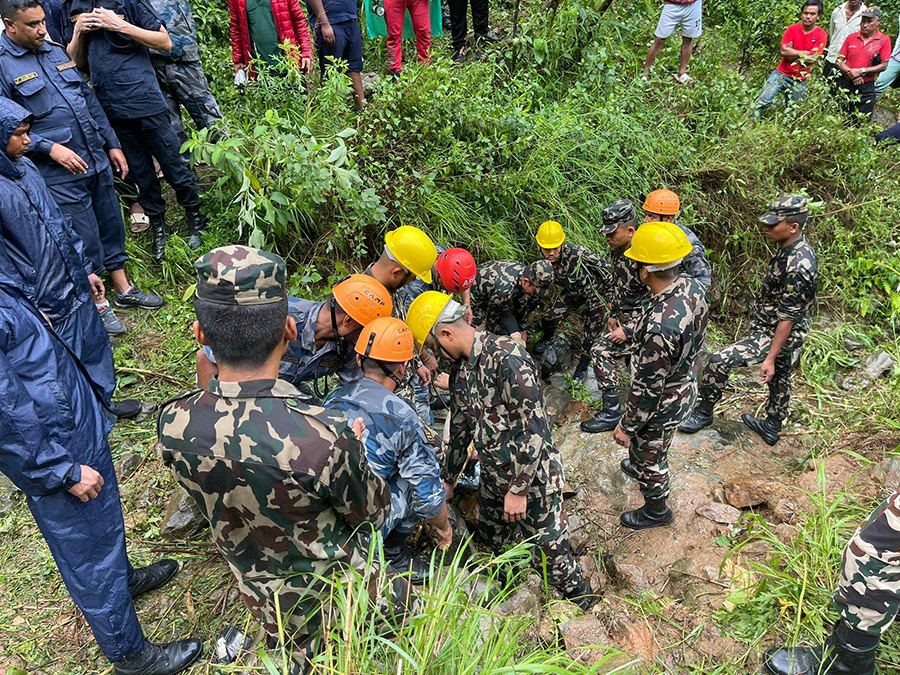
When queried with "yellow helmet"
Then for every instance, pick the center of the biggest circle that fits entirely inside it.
(550, 235)
(413, 249)
(424, 313)
(659, 244)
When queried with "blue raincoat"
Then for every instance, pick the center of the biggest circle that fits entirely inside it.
(44, 257)
(51, 423)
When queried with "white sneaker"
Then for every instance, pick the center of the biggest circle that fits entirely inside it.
(683, 78)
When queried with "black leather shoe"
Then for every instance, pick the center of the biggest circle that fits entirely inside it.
(400, 556)
(700, 418)
(160, 236)
(652, 514)
(126, 409)
(153, 576)
(767, 429)
(835, 657)
(584, 597)
(164, 659)
(580, 373)
(489, 37)
(628, 469)
(608, 417)
(196, 227)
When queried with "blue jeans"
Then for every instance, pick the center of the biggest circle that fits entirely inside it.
(887, 77)
(778, 83)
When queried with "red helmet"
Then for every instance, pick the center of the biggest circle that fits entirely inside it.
(456, 269)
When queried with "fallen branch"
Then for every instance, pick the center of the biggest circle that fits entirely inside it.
(161, 376)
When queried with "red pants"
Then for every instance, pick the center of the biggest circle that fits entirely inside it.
(394, 14)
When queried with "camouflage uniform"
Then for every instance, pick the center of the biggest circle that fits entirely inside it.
(398, 449)
(179, 72)
(304, 362)
(585, 280)
(284, 484)
(499, 303)
(663, 385)
(788, 292)
(695, 264)
(628, 299)
(496, 404)
(868, 596)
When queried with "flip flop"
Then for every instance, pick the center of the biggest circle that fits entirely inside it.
(683, 79)
(139, 222)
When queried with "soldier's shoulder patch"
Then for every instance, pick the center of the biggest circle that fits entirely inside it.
(24, 78)
(68, 65)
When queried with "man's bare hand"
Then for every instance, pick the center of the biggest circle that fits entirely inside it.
(617, 336)
(514, 507)
(442, 381)
(327, 33)
(444, 537)
(89, 486)
(767, 371)
(119, 163)
(68, 159)
(109, 20)
(97, 288)
(424, 373)
(305, 64)
(620, 437)
(86, 23)
(359, 428)
(611, 324)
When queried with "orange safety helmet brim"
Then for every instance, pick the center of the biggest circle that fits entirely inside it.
(363, 298)
(386, 339)
(663, 203)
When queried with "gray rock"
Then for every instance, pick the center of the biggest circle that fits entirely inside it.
(583, 632)
(525, 603)
(182, 519)
(743, 493)
(719, 513)
(480, 589)
(148, 408)
(878, 365)
(128, 464)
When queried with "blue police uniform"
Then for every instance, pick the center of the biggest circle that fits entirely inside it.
(125, 83)
(44, 256)
(51, 422)
(66, 111)
(304, 362)
(398, 450)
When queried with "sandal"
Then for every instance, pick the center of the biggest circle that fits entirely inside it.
(139, 222)
(683, 79)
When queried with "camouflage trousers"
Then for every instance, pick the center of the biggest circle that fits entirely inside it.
(648, 453)
(604, 356)
(544, 526)
(868, 596)
(593, 316)
(751, 350)
(183, 83)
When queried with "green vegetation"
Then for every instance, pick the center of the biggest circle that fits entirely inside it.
(555, 124)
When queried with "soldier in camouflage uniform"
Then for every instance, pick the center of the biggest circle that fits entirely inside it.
(585, 281)
(628, 301)
(667, 339)
(867, 599)
(780, 323)
(323, 328)
(497, 406)
(398, 445)
(506, 293)
(284, 483)
(179, 72)
(663, 206)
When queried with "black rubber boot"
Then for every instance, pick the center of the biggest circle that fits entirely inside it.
(153, 576)
(653, 513)
(628, 468)
(607, 418)
(196, 227)
(160, 236)
(548, 332)
(584, 597)
(580, 373)
(700, 418)
(126, 409)
(845, 652)
(767, 429)
(165, 659)
(400, 556)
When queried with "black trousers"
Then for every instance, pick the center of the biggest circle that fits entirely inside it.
(862, 97)
(143, 139)
(459, 26)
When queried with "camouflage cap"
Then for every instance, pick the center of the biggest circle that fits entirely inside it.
(541, 274)
(784, 207)
(240, 275)
(620, 211)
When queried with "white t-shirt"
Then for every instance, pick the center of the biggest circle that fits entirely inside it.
(841, 29)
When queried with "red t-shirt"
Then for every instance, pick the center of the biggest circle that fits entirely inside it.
(858, 54)
(813, 42)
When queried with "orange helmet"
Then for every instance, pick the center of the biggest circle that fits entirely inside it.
(663, 203)
(363, 298)
(386, 339)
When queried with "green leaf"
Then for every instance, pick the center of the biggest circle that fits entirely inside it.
(189, 292)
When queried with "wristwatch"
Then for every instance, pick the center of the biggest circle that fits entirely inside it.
(863, 72)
